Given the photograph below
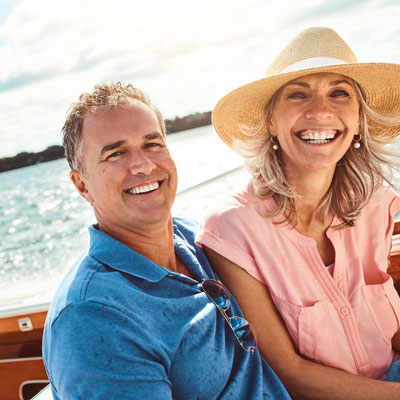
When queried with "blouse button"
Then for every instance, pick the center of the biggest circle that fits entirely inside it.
(344, 311)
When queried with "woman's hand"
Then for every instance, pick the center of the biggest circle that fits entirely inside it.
(302, 378)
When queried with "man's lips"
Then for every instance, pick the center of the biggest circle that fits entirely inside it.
(145, 188)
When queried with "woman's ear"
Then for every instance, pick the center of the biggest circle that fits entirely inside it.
(271, 127)
(80, 182)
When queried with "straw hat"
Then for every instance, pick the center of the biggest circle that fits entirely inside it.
(313, 50)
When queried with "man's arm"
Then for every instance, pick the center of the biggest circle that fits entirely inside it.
(302, 378)
(96, 352)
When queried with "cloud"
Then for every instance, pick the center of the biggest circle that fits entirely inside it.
(185, 54)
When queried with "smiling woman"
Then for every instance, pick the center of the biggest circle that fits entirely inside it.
(304, 247)
(314, 119)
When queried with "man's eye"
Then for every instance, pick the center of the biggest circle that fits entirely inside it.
(339, 93)
(113, 155)
(153, 144)
(296, 95)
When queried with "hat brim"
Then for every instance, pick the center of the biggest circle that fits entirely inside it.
(240, 115)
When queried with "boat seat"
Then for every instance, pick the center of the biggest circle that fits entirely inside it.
(44, 394)
(394, 267)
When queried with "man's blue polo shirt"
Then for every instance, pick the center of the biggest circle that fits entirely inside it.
(123, 327)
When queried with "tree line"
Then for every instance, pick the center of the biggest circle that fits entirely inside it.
(55, 152)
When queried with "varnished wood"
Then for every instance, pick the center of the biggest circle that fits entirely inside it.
(10, 331)
(396, 228)
(394, 267)
(13, 373)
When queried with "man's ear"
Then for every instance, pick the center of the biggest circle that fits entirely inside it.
(80, 182)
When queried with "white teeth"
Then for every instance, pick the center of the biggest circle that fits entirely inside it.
(318, 141)
(318, 136)
(144, 189)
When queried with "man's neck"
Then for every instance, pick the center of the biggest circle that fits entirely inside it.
(155, 243)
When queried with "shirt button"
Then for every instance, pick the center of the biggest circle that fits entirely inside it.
(344, 311)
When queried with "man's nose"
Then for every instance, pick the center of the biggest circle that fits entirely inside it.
(140, 163)
(319, 108)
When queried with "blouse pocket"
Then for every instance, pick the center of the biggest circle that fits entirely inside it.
(312, 331)
(384, 305)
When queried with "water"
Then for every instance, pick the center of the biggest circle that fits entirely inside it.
(43, 220)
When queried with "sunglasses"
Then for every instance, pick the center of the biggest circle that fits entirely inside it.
(220, 296)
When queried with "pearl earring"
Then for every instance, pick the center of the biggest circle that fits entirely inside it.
(357, 140)
(274, 141)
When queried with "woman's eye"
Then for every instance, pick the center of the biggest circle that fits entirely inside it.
(339, 93)
(297, 95)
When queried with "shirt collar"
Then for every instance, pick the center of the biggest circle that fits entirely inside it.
(111, 252)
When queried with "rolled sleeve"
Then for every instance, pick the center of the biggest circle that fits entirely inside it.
(229, 239)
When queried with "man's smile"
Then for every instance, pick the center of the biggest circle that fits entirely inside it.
(146, 188)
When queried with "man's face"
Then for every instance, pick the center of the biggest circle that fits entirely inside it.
(131, 178)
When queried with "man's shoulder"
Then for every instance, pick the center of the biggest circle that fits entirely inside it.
(73, 288)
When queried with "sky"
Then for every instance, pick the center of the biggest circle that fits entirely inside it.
(186, 54)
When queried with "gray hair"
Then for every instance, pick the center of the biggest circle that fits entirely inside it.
(358, 175)
(103, 97)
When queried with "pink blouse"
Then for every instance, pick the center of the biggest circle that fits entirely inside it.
(345, 319)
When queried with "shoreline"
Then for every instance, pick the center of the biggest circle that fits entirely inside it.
(55, 152)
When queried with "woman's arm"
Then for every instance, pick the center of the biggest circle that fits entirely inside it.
(302, 378)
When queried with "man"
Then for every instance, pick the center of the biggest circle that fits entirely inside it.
(133, 318)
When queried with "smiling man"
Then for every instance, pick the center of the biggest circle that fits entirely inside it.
(142, 315)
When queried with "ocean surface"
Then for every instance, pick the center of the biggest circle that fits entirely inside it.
(44, 221)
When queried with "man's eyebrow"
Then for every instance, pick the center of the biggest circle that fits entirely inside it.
(154, 135)
(112, 146)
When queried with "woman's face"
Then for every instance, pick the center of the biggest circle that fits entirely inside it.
(315, 118)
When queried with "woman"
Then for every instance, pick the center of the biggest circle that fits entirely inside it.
(304, 247)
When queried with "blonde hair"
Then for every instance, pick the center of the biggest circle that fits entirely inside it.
(358, 175)
(103, 97)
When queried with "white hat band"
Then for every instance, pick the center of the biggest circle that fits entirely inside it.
(314, 62)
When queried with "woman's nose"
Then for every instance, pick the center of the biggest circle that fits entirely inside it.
(319, 108)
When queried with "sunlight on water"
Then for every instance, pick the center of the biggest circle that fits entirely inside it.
(43, 220)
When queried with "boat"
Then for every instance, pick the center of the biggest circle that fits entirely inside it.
(22, 319)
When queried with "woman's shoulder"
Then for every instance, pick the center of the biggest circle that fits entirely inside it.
(379, 212)
(385, 199)
(242, 205)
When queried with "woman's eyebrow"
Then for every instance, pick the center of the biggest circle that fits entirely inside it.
(306, 85)
(340, 81)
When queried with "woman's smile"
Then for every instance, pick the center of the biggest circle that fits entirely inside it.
(315, 118)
